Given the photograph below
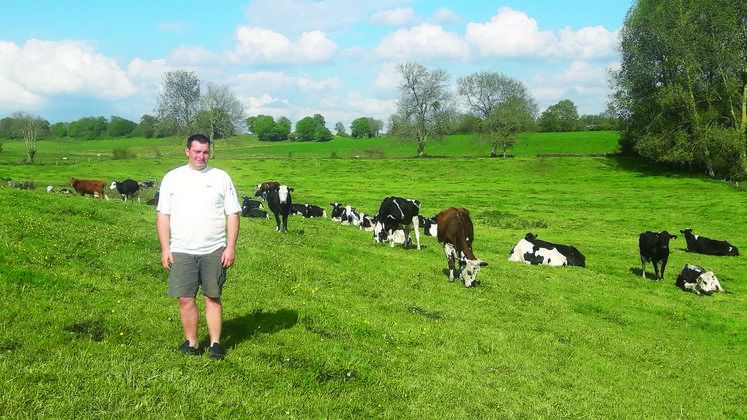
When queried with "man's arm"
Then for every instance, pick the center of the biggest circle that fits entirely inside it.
(163, 227)
(232, 234)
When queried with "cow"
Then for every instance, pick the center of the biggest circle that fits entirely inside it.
(248, 203)
(396, 213)
(350, 216)
(296, 209)
(538, 252)
(455, 234)
(147, 183)
(265, 187)
(336, 214)
(702, 245)
(367, 222)
(87, 186)
(429, 225)
(309, 211)
(697, 280)
(254, 212)
(153, 201)
(126, 188)
(279, 200)
(654, 248)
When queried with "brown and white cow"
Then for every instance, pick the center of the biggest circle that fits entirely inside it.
(455, 234)
(87, 186)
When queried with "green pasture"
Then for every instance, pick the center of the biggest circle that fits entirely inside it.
(321, 322)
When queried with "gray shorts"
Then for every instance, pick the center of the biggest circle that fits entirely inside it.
(192, 272)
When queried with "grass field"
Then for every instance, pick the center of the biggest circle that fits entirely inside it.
(323, 323)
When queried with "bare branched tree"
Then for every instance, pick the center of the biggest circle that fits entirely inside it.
(180, 98)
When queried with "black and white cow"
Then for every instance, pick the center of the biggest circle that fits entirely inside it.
(455, 234)
(654, 248)
(264, 188)
(126, 188)
(697, 280)
(296, 209)
(367, 222)
(538, 252)
(310, 211)
(429, 225)
(396, 213)
(252, 208)
(279, 200)
(702, 245)
(337, 209)
(147, 183)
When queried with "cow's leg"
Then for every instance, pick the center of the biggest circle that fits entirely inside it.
(416, 228)
(277, 222)
(285, 222)
(390, 238)
(663, 264)
(656, 270)
(450, 257)
(643, 267)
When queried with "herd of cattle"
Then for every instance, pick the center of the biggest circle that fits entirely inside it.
(397, 217)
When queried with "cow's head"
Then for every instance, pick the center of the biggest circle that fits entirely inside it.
(113, 186)
(707, 284)
(470, 270)
(379, 232)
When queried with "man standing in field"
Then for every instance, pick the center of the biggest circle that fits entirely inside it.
(198, 224)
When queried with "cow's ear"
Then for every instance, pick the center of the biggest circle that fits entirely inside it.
(483, 264)
(290, 189)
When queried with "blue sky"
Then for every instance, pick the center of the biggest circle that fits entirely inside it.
(73, 59)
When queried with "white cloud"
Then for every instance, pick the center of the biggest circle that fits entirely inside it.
(63, 67)
(394, 17)
(140, 70)
(262, 46)
(577, 73)
(422, 41)
(511, 33)
(444, 16)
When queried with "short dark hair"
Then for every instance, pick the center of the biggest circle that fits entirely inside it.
(199, 138)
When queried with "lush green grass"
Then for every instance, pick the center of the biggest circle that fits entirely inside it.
(323, 323)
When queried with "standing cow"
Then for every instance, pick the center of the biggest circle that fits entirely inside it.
(396, 213)
(654, 248)
(455, 234)
(87, 186)
(126, 188)
(279, 201)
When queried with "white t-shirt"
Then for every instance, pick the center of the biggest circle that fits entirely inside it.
(197, 202)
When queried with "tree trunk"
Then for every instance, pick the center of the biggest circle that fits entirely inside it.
(494, 149)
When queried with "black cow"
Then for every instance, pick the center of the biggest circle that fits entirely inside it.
(396, 213)
(254, 212)
(309, 211)
(252, 208)
(337, 210)
(279, 200)
(296, 209)
(654, 248)
(251, 204)
(538, 252)
(429, 225)
(127, 188)
(702, 245)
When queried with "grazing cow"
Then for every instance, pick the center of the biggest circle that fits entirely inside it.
(265, 187)
(429, 225)
(698, 281)
(251, 204)
(537, 252)
(279, 200)
(87, 186)
(153, 201)
(126, 188)
(396, 213)
(336, 214)
(702, 245)
(654, 248)
(455, 234)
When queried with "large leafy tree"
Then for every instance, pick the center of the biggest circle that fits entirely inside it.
(424, 106)
(267, 129)
(306, 129)
(180, 97)
(681, 88)
(503, 103)
(562, 116)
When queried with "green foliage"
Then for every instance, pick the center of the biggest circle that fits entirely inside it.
(313, 314)
(268, 130)
(680, 85)
(123, 153)
(360, 128)
(147, 126)
(120, 127)
(560, 117)
(87, 128)
(306, 129)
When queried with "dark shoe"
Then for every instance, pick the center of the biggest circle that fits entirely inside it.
(189, 351)
(216, 352)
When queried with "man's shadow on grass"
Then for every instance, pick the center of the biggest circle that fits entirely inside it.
(239, 329)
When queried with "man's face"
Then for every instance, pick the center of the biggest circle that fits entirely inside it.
(198, 154)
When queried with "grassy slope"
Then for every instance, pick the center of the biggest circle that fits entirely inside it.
(320, 322)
